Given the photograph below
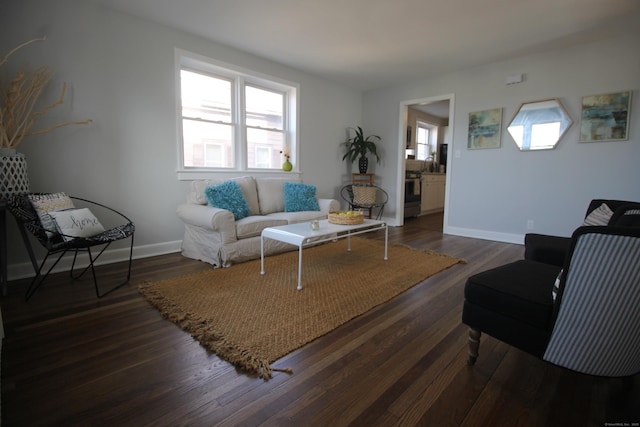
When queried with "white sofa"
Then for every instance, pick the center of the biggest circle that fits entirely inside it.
(214, 236)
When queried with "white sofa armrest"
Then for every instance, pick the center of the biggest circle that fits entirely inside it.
(328, 205)
(209, 218)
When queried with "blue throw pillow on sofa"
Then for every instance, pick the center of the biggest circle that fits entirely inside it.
(300, 197)
(229, 196)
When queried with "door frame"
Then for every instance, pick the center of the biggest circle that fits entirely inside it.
(401, 167)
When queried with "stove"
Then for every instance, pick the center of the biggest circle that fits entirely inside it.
(412, 193)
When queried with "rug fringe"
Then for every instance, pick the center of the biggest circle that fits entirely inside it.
(210, 339)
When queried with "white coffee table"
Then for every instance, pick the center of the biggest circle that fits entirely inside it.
(301, 235)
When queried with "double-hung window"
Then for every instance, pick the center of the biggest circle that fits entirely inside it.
(233, 119)
(426, 136)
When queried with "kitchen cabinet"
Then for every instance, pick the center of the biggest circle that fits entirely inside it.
(433, 189)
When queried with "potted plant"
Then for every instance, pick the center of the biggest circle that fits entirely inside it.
(18, 113)
(359, 146)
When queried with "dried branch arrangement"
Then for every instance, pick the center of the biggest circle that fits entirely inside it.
(18, 100)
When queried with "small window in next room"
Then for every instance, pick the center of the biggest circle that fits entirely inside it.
(426, 141)
(233, 119)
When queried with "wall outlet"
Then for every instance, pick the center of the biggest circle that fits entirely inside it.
(530, 224)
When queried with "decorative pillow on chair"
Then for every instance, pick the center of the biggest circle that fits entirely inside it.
(299, 197)
(556, 286)
(46, 203)
(599, 216)
(74, 223)
(229, 196)
(363, 195)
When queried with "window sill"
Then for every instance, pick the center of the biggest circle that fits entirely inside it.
(190, 175)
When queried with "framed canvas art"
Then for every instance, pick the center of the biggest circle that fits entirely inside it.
(485, 129)
(605, 117)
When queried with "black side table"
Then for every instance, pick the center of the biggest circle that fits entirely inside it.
(4, 277)
(3, 245)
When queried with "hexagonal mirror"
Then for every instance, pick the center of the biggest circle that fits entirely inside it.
(539, 125)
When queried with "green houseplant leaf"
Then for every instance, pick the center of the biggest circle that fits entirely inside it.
(358, 146)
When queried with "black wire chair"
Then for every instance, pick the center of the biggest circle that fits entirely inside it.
(59, 244)
(365, 196)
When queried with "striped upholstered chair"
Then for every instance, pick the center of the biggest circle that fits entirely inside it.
(584, 315)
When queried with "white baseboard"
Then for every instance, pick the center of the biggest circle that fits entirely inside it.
(517, 239)
(25, 269)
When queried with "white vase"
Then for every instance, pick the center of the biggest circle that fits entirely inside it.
(13, 173)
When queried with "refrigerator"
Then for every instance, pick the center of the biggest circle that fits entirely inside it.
(442, 156)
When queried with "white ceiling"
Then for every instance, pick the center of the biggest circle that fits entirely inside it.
(437, 108)
(369, 44)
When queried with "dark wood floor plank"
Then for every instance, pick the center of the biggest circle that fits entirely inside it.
(379, 373)
(72, 359)
(406, 395)
(455, 401)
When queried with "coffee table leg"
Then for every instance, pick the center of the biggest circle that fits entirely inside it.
(386, 242)
(262, 255)
(300, 267)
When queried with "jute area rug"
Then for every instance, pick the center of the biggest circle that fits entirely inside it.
(251, 320)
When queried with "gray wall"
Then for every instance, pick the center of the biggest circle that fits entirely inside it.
(120, 72)
(492, 193)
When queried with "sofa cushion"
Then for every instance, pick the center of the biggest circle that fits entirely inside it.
(252, 226)
(626, 215)
(271, 194)
(300, 197)
(521, 290)
(229, 196)
(197, 195)
(246, 183)
(545, 248)
(629, 219)
(294, 217)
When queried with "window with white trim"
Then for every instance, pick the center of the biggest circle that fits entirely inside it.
(427, 137)
(233, 119)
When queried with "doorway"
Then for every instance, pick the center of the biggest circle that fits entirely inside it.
(442, 108)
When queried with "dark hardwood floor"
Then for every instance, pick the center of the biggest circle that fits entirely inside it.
(69, 358)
